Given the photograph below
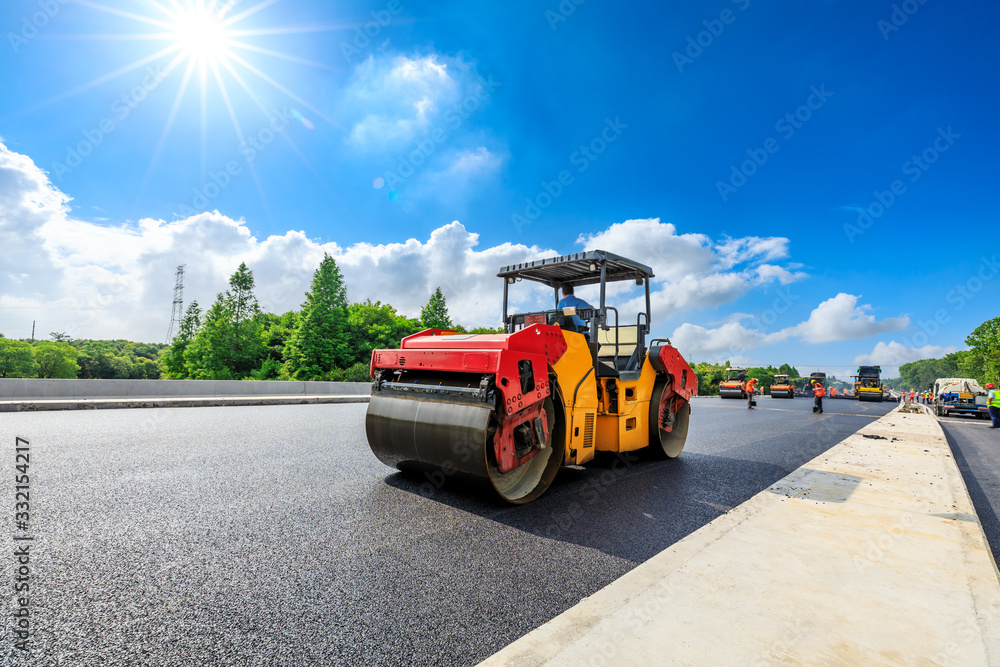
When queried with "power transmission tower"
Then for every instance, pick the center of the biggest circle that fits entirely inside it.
(178, 311)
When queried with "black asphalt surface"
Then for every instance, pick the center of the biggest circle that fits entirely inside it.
(272, 535)
(977, 450)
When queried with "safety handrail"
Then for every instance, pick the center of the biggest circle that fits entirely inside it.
(641, 330)
(616, 333)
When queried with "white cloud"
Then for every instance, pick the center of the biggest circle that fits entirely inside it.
(95, 281)
(693, 271)
(897, 354)
(658, 245)
(392, 101)
(836, 319)
(769, 272)
(724, 343)
(752, 248)
(461, 177)
(841, 318)
(467, 163)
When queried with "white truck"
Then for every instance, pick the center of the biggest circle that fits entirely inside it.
(960, 396)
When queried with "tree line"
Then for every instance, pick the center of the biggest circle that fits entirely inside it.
(328, 339)
(89, 359)
(332, 339)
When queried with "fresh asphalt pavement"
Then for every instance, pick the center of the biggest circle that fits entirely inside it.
(272, 535)
(977, 450)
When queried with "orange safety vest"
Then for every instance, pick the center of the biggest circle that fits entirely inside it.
(818, 391)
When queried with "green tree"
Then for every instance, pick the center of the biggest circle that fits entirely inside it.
(709, 377)
(319, 344)
(985, 347)
(435, 314)
(277, 332)
(205, 356)
(373, 326)
(117, 359)
(174, 364)
(245, 344)
(17, 359)
(145, 369)
(764, 377)
(477, 330)
(790, 371)
(56, 360)
(229, 344)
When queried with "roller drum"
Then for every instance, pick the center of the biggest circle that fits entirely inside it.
(411, 433)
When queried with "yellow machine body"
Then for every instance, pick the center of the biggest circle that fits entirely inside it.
(598, 423)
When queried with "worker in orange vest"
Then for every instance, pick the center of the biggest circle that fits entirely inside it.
(818, 394)
(750, 387)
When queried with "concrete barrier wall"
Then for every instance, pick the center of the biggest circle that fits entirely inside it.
(14, 389)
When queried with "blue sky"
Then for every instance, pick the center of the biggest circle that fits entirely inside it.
(473, 112)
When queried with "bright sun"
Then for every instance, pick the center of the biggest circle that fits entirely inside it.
(207, 40)
(202, 34)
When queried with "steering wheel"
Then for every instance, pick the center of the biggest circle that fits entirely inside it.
(563, 322)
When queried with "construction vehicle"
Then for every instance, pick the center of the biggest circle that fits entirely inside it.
(509, 409)
(960, 396)
(782, 387)
(735, 384)
(867, 385)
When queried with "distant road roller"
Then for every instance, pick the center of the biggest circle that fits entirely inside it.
(509, 409)
(782, 387)
(867, 386)
(735, 384)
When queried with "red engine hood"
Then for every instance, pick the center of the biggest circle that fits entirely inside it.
(500, 354)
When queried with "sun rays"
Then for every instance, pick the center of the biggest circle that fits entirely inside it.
(208, 44)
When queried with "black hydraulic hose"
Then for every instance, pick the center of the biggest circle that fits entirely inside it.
(577, 390)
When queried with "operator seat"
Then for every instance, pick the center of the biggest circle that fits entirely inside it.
(625, 360)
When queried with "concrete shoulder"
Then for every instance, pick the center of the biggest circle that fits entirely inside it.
(871, 553)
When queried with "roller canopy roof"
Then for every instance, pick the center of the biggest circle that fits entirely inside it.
(576, 269)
